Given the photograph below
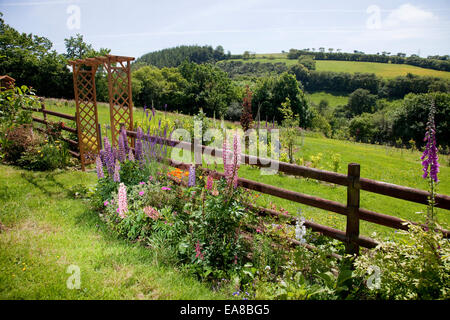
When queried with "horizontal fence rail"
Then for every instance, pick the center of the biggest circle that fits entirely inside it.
(352, 181)
(46, 112)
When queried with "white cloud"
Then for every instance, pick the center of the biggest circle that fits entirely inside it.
(408, 15)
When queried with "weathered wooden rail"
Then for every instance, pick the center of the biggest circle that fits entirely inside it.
(354, 183)
(47, 122)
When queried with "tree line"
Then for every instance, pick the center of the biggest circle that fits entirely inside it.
(441, 63)
(341, 82)
(173, 57)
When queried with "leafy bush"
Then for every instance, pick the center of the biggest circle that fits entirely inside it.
(12, 102)
(16, 140)
(47, 156)
(417, 267)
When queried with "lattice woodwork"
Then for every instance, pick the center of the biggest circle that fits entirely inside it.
(120, 98)
(120, 101)
(87, 117)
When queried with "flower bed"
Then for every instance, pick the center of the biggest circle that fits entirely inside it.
(202, 224)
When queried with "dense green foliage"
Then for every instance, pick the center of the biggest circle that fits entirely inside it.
(173, 57)
(403, 123)
(187, 89)
(271, 92)
(30, 60)
(19, 143)
(342, 82)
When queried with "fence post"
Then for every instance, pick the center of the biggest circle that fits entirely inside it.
(44, 115)
(353, 193)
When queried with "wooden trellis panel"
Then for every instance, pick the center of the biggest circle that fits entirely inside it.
(120, 98)
(86, 116)
(120, 101)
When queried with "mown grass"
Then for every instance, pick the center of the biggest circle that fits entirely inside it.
(384, 70)
(378, 162)
(44, 230)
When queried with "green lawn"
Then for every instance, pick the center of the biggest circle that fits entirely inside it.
(384, 70)
(382, 163)
(44, 230)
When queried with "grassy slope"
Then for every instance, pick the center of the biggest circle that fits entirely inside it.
(377, 162)
(45, 231)
(385, 70)
(333, 99)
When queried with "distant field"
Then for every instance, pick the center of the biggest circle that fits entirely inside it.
(384, 70)
(333, 100)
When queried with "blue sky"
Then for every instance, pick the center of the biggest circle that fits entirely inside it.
(134, 27)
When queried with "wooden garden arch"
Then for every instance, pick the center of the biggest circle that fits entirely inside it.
(120, 101)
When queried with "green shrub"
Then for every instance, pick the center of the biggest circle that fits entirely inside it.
(46, 156)
(417, 267)
(16, 140)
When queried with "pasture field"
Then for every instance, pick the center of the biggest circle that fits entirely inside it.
(384, 70)
(333, 99)
(383, 163)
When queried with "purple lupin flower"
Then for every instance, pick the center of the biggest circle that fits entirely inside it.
(109, 158)
(130, 155)
(138, 144)
(123, 132)
(122, 153)
(430, 158)
(191, 180)
(116, 176)
(99, 164)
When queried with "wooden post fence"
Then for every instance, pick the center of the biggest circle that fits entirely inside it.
(353, 194)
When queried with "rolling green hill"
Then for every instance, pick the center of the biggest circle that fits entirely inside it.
(384, 70)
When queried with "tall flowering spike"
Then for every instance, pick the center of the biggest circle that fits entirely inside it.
(102, 156)
(209, 183)
(122, 199)
(99, 164)
(123, 132)
(236, 158)
(130, 155)
(191, 180)
(227, 162)
(116, 176)
(430, 158)
(198, 250)
(138, 144)
(109, 157)
(122, 153)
